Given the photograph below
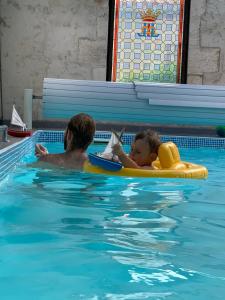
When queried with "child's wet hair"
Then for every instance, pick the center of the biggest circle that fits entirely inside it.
(151, 138)
(82, 127)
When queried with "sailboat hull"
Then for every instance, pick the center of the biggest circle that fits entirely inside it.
(19, 133)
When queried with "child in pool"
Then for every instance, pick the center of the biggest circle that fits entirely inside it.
(144, 150)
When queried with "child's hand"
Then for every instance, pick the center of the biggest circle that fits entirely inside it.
(40, 150)
(117, 149)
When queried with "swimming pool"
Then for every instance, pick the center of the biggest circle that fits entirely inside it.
(67, 235)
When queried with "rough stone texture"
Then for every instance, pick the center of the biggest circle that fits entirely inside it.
(90, 51)
(68, 39)
(206, 59)
(49, 39)
(194, 32)
(195, 79)
(197, 9)
(213, 25)
(99, 73)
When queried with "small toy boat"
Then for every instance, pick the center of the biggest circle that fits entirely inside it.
(21, 130)
(103, 163)
(105, 160)
(19, 133)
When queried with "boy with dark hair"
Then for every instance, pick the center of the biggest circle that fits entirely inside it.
(79, 133)
(78, 136)
(144, 150)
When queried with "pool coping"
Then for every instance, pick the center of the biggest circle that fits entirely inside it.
(11, 155)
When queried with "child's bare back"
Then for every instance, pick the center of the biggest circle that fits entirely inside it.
(78, 136)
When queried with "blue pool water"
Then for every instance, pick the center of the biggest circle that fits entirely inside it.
(68, 235)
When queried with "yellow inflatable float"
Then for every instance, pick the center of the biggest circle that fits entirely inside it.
(168, 165)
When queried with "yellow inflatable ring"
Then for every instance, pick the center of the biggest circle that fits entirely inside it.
(168, 165)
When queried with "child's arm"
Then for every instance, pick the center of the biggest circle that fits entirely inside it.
(40, 150)
(42, 154)
(126, 161)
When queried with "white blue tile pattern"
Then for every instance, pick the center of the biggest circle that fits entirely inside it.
(180, 141)
(12, 155)
(50, 136)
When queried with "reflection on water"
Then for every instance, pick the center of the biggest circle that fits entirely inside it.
(116, 238)
(137, 296)
(121, 216)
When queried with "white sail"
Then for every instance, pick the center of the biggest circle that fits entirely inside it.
(113, 141)
(16, 120)
(108, 152)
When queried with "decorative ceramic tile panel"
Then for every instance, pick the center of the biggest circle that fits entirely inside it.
(148, 40)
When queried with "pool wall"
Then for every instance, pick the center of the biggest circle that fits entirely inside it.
(12, 155)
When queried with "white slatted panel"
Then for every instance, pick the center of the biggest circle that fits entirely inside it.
(139, 102)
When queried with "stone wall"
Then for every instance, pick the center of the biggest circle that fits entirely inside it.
(68, 39)
(54, 38)
(207, 42)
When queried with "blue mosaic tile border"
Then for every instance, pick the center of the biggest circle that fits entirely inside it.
(12, 155)
(49, 136)
(180, 141)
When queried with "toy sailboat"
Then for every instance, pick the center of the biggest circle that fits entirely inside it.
(115, 139)
(106, 159)
(19, 129)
